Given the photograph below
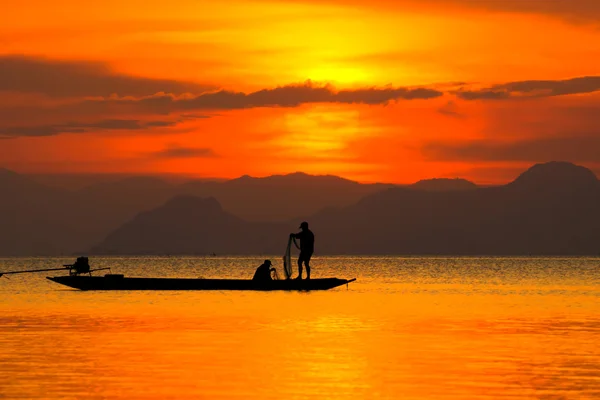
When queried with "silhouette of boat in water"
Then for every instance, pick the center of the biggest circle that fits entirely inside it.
(120, 282)
(80, 277)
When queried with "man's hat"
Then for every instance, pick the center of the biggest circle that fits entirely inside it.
(304, 224)
(268, 262)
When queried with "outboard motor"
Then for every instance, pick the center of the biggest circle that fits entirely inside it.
(81, 266)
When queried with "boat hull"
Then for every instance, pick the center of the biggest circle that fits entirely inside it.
(119, 282)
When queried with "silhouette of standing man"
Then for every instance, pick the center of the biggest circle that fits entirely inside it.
(307, 247)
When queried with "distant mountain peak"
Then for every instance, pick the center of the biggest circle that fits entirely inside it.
(556, 174)
(297, 176)
(192, 202)
(443, 184)
(11, 177)
(298, 173)
(5, 171)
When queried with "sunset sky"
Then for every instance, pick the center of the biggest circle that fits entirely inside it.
(377, 90)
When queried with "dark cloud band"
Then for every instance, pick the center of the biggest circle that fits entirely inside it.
(80, 78)
(185, 152)
(284, 96)
(534, 88)
(580, 148)
(75, 127)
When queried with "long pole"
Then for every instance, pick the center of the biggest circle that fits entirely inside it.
(33, 270)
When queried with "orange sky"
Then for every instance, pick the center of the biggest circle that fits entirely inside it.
(374, 90)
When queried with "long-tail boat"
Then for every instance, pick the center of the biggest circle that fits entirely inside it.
(120, 282)
(80, 277)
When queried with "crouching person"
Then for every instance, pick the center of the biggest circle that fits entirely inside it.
(263, 273)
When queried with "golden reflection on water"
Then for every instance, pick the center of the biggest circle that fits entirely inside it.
(400, 331)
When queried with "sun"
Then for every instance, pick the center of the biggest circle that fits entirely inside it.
(340, 75)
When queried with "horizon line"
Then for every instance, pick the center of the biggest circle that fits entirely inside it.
(189, 177)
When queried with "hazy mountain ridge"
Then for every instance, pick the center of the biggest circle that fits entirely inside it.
(281, 197)
(35, 220)
(552, 213)
(49, 220)
(551, 209)
(190, 225)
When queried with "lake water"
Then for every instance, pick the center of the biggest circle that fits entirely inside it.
(408, 328)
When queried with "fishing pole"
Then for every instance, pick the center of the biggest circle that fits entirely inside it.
(69, 267)
(33, 270)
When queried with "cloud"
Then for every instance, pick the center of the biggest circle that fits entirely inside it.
(194, 116)
(78, 127)
(534, 88)
(581, 148)
(584, 10)
(80, 78)
(185, 152)
(48, 118)
(483, 95)
(91, 79)
(309, 93)
(283, 96)
(571, 10)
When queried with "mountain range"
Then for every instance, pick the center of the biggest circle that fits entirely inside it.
(39, 218)
(550, 209)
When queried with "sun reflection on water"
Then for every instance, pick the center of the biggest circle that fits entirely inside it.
(408, 328)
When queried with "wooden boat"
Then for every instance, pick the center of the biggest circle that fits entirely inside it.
(120, 282)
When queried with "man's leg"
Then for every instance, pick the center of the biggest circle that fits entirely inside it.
(307, 263)
(300, 266)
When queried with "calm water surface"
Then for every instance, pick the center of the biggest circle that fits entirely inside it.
(409, 328)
